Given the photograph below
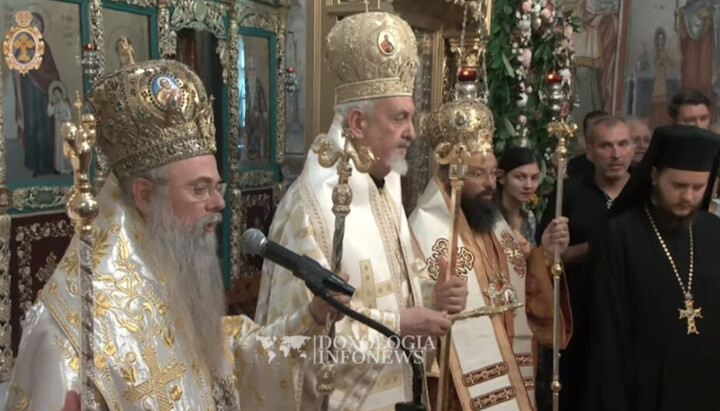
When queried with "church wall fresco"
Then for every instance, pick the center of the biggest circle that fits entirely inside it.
(254, 90)
(137, 28)
(670, 45)
(37, 102)
(633, 56)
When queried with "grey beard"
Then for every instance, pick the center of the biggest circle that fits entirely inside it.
(480, 214)
(397, 164)
(195, 289)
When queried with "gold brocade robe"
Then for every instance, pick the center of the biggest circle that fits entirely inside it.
(492, 358)
(142, 360)
(379, 258)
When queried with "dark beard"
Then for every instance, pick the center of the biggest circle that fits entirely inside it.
(667, 221)
(480, 214)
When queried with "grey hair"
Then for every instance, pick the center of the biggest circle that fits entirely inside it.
(343, 110)
(606, 120)
(154, 174)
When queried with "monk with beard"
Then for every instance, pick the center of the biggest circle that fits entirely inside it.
(492, 358)
(654, 307)
(160, 335)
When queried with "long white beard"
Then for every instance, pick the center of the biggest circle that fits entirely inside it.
(398, 164)
(189, 256)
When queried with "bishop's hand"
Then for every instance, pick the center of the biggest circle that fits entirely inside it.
(319, 308)
(423, 322)
(450, 293)
(557, 234)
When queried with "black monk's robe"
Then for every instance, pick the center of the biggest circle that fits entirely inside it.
(641, 356)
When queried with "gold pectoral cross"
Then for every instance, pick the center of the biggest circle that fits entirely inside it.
(690, 313)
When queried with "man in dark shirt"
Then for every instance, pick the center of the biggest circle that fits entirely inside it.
(690, 108)
(586, 199)
(580, 165)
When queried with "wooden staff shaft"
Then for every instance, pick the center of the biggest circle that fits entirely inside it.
(456, 183)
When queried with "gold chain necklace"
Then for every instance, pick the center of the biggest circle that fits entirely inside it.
(689, 313)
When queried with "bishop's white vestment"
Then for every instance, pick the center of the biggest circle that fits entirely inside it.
(142, 360)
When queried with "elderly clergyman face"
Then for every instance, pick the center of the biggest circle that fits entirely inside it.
(181, 203)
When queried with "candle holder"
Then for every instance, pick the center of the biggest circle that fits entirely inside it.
(90, 61)
(290, 80)
(562, 131)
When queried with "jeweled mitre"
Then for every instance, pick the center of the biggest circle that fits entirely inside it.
(374, 55)
(464, 121)
(150, 114)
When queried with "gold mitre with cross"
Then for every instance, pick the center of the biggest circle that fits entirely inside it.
(464, 121)
(375, 56)
(150, 114)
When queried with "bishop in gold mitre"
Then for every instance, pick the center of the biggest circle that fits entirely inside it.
(375, 57)
(492, 358)
(161, 341)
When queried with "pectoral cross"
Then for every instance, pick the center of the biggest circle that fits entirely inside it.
(690, 313)
(24, 43)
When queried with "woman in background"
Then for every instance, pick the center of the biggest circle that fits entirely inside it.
(518, 181)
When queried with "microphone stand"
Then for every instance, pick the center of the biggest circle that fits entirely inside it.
(315, 285)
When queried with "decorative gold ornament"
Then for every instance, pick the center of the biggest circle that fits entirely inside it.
(374, 55)
(151, 114)
(465, 259)
(24, 45)
(329, 156)
(326, 379)
(82, 209)
(689, 313)
(465, 122)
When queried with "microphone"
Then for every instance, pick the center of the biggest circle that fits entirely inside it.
(319, 280)
(303, 267)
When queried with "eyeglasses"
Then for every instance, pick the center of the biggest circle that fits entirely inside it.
(201, 191)
(479, 174)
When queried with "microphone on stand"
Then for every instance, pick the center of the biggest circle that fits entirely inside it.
(320, 281)
(255, 242)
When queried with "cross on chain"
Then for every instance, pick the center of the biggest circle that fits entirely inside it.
(690, 313)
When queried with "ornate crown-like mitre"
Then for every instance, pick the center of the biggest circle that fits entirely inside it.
(374, 55)
(464, 121)
(150, 114)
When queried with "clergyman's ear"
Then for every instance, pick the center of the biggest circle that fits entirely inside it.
(356, 123)
(142, 192)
